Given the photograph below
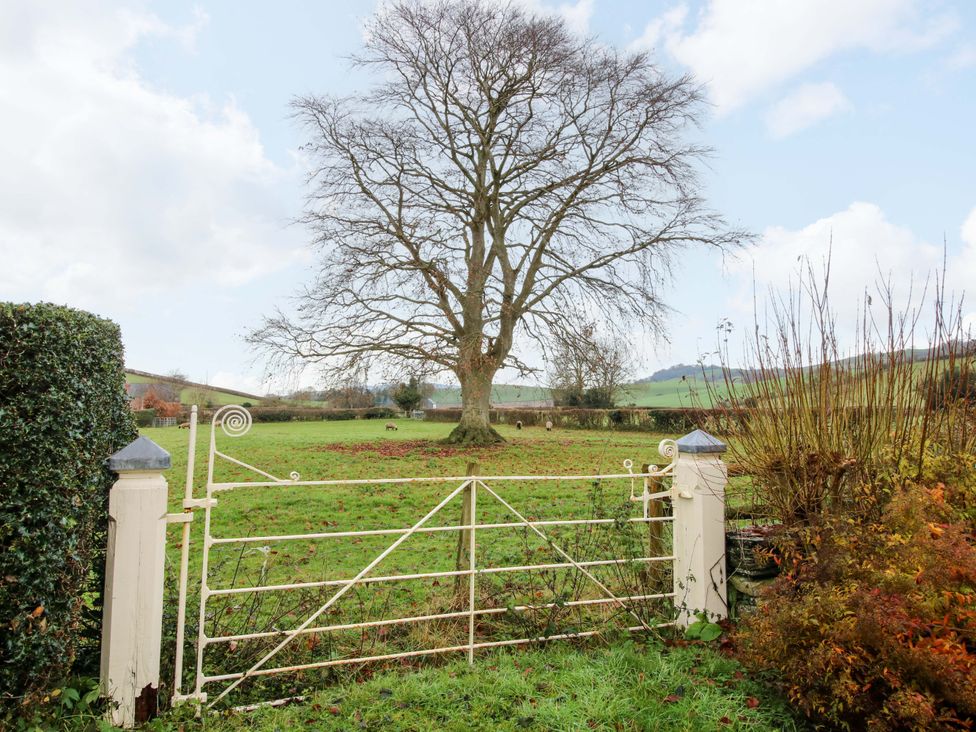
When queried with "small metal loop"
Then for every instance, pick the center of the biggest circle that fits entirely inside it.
(629, 467)
(295, 475)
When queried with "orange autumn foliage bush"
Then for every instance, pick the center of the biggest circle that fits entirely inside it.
(875, 628)
(162, 407)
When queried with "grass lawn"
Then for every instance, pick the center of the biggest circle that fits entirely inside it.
(622, 686)
(616, 684)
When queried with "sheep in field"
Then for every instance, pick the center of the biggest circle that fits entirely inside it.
(518, 424)
(391, 426)
(548, 425)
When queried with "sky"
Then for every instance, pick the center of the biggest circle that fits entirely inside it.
(150, 171)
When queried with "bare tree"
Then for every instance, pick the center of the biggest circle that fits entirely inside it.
(586, 367)
(350, 396)
(499, 163)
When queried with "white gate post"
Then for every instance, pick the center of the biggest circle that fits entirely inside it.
(133, 600)
(698, 501)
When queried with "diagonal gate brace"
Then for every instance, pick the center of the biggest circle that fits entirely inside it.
(292, 634)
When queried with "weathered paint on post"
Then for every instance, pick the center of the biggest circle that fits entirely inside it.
(698, 491)
(133, 612)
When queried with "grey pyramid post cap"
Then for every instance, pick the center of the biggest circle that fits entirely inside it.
(700, 441)
(140, 454)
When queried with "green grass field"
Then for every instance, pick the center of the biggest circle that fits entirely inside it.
(669, 393)
(624, 685)
(195, 395)
(450, 396)
(611, 683)
(692, 392)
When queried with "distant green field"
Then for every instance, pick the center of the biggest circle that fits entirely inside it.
(691, 392)
(500, 394)
(196, 395)
(670, 393)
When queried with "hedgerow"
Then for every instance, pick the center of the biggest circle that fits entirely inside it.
(654, 419)
(307, 414)
(63, 411)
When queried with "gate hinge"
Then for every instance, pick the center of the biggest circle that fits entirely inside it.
(179, 518)
(191, 503)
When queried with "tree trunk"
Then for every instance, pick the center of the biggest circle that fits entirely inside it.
(474, 429)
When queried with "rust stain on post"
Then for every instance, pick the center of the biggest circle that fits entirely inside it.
(147, 704)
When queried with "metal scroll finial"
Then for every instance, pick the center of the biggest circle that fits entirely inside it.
(668, 449)
(234, 420)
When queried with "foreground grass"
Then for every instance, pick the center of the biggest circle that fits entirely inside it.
(624, 686)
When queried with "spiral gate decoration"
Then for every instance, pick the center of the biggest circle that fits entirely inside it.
(235, 421)
(668, 449)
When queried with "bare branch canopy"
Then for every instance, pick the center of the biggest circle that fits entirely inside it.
(500, 166)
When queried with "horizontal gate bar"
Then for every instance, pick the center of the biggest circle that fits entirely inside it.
(432, 529)
(424, 652)
(453, 479)
(439, 616)
(431, 575)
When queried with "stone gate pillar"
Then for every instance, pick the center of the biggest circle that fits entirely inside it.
(698, 500)
(133, 600)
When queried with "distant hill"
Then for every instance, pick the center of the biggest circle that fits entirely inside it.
(711, 372)
(191, 392)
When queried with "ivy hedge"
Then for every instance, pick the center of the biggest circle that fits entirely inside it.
(63, 411)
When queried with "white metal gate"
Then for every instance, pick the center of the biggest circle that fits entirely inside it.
(469, 491)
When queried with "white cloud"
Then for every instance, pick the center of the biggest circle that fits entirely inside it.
(962, 58)
(968, 230)
(576, 14)
(111, 189)
(966, 269)
(805, 106)
(239, 382)
(660, 28)
(865, 249)
(862, 244)
(743, 48)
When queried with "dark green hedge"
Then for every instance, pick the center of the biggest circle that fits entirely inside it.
(145, 417)
(651, 419)
(307, 414)
(63, 411)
